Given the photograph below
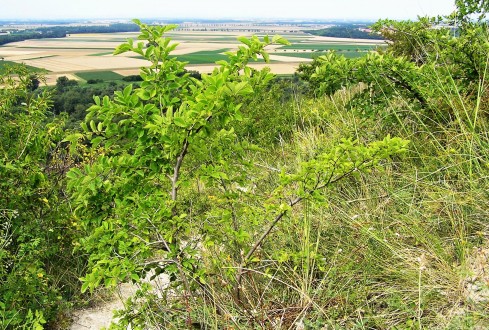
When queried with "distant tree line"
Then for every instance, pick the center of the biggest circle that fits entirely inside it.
(345, 31)
(72, 98)
(28, 34)
(63, 31)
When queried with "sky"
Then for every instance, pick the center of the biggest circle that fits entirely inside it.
(222, 9)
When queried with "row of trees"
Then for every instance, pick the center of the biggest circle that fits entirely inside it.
(63, 31)
(346, 31)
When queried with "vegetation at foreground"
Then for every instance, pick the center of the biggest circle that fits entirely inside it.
(38, 270)
(267, 204)
(158, 144)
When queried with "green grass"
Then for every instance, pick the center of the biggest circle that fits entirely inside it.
(312, 55)
(102, 75)
(4, 63)
(324, 46)
(204, 57)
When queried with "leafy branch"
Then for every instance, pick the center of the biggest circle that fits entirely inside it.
(346, 159)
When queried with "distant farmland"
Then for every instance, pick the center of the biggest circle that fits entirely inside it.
(4, 64)
(330, 46)
(99, 75)
(313, 55)
(89, 56)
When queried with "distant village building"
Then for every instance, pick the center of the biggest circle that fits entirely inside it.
(365, 30)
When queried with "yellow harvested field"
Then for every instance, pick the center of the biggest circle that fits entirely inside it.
(7, 52)
(56, 43)
(188, 48)
(277, 68)
(85, 63)
(288, 59)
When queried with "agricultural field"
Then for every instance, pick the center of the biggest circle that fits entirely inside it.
(79, 56)
(313, 54)
(99, 75)
(4, 64)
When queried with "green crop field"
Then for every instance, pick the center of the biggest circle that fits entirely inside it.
(325, 46)
(102, 75)
(204, 57)
(3, 64)
(312, 55)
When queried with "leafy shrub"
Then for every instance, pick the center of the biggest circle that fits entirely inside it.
(140, 198)
(36, 230)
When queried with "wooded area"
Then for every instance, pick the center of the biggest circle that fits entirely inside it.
(63, 31)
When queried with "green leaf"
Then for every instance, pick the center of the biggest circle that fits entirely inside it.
(85, 286)
(73, 137)
(96, 141)
(93, 126)
(144, 95)
(244, 40)
(243, 88)
(180, 122)
(277, 39)
(122, 49)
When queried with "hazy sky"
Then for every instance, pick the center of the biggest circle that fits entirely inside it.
(318, 9)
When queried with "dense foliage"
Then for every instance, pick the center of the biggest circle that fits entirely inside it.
(353, 198)
(73, 99)
(38, 272)
(157, 144)
(352, 31)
